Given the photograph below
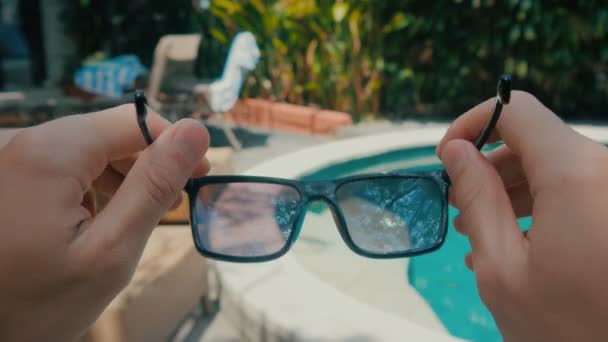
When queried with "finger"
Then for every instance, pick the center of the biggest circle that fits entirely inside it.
(458, 224)
(108, 182)
(177, 203)
(480, 196)
(521, 200)
(154, 183)
(468, 261)
(508, 166)
(117, 127)
(89, 202)
(202, 169)
(468, 127)
(124, 165)
(6, 135)
(531, 130)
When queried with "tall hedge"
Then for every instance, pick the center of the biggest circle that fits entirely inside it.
(557, 50)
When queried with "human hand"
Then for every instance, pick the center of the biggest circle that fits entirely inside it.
(550, 284)
(61, 260)
(6, 134)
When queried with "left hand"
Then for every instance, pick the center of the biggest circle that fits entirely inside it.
(61, 259)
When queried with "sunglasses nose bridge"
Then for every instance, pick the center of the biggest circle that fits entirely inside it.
(321, 190)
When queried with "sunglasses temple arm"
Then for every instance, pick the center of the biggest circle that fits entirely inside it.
(142, 111)
(141, 108)
(503, 96)
(490, 125)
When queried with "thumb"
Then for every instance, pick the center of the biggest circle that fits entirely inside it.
(486, 213)
(153, 184)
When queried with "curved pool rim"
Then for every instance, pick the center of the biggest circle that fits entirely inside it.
(265, 301)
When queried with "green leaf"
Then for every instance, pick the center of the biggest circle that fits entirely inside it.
(339, 11)
(405, 73)
(529, 33)
(510, 65)
(219, 36)
(514, 34)
(399, 21)
(355, 16)
(259, 5)
(230, 6)
(312, 86)
(279, 45)
(521, 70)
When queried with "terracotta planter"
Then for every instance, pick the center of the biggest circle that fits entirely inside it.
(260, 109)
(237, 114)
(294, 118)
(288, 117)
(327, 122)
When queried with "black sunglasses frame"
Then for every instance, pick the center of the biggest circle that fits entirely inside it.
(311, 191)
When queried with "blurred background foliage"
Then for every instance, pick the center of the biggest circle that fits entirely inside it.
(394, 59)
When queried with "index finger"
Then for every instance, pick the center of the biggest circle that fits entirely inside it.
(531, 130)
(117, 128)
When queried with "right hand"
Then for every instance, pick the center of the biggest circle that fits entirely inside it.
(552, 283)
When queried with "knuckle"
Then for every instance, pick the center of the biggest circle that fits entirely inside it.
(159, 184)
(23, 147)
(466, 194)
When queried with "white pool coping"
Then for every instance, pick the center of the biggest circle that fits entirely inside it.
(281, 300)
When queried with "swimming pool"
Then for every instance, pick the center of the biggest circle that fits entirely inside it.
(322, 291)
(441, 278)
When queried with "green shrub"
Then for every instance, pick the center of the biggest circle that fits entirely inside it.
(558, 50)
(398, 58)
(436, 57)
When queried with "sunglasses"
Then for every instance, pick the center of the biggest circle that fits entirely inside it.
(383, 215)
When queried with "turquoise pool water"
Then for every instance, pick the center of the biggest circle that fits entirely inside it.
(441, 278)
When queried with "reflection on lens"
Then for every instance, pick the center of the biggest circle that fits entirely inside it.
(245, 219)
(392, 214)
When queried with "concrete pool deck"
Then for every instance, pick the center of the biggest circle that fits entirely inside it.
(305, 297)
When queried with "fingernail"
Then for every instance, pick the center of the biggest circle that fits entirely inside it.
(455, 156)
(189, 139)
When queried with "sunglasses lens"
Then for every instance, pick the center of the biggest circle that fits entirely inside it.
(245, 219)
(393, 214)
